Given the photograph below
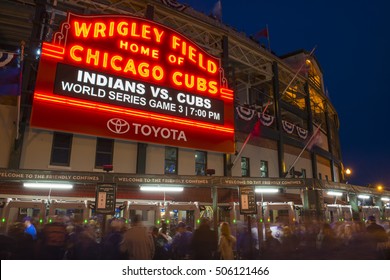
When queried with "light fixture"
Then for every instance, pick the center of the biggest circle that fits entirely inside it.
(210, 171)
(385, 199)
(108, 167)
(263, 190)
(47, 186)
(158, 188)
(334, 193)
(363, 196)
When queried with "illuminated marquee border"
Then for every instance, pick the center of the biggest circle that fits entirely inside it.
(55, 52)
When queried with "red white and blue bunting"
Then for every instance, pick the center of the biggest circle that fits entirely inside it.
(266, 120)
(174, 4)
(302, 133)
(247, 114)
(288, 127)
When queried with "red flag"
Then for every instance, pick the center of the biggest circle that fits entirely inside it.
(315, 139)
(256, 129)
(262, 33)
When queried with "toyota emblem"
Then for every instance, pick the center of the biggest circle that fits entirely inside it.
(118, 126)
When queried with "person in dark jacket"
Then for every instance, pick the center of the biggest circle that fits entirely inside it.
(111, 242)
(181, 243)
(376, 235)
(204, 241)
(271, 248)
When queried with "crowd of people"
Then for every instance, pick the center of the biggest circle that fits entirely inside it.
(64, 239)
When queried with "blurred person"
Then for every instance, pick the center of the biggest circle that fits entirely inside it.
(359, 247)
(346, 234)
(164, 232)
(7, 247)
(29, 227)
(163, 243)
(377, 237)
(52, 241)
(309, 241)
(290, 243)
(86, 246)
(71, 239)
(181, 243)
(20, 245)
(255, 238)
(227, 243)
(204, 241)
(158, 250)
(137, 242)
(327, 243)
(111, 242)
(271, 249)
(376, 232)
(244, 243)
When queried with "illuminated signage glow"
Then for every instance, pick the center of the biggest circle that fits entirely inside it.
(118, 110)
(99, 68)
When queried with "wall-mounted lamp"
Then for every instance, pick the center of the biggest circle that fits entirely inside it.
(347, 174)
(363, 196)
(385, 199)
(161, 189)
(47, 186)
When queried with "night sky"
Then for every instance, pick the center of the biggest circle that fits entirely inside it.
(352, 43)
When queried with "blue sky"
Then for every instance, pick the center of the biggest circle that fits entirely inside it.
(352, 39)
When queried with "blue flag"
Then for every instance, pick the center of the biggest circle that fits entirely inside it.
(9, 74)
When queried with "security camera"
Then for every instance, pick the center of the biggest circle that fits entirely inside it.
(107, 167)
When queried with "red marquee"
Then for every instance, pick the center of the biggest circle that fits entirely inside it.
(125, 77)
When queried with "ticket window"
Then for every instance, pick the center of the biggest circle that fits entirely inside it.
(76, 212)
(387, 214)
(188, 213)
(148, 217)
(333, 216)
(16, 214)
(224, 214)
(75, 215)
(347, 214)
(186, 216)
(279, 216)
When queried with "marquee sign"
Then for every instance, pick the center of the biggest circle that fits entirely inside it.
(125, 77)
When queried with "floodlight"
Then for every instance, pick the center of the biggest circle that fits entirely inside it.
(262, 190)
(161, 189)
(47, 186)
(334, 193)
